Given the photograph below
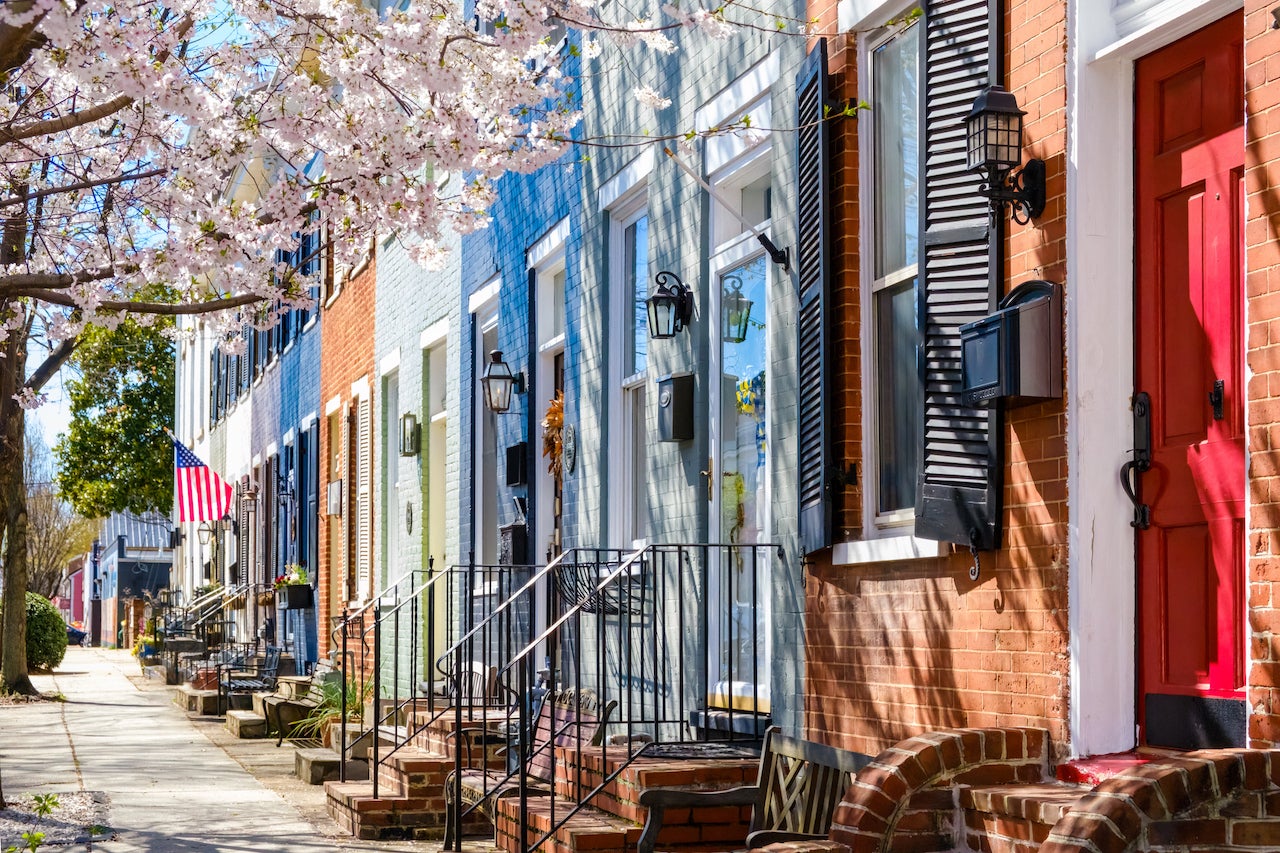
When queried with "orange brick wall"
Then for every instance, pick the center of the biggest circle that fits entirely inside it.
(894, 649)
(346, 354)
(1262, 313)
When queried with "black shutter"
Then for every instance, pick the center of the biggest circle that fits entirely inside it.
(813, 237)
(959, 498)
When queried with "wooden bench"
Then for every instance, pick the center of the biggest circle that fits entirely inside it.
(568, 719)
(797, 790)
(248, 678)
(284, 710)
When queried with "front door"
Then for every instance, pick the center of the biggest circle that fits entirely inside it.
(1190, 206)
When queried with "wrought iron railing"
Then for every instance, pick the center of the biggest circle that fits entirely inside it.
(390, 649)
(669, 643)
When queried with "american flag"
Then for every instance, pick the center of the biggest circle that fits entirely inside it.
(202, 496)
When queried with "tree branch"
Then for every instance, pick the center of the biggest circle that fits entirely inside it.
(81, 185)
(54, 280)
(66, 122)
(160, 309)
(52, 364)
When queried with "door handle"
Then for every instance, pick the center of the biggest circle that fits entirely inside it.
(1215, 398)
(1131, 471)
(711, 479)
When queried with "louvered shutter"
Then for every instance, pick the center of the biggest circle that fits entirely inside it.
(242, 545)
(813, 229)
(959, 499)
(364, 520)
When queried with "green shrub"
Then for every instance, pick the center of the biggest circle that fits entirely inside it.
(46, 633)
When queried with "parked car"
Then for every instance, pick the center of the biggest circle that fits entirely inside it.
(75, 637)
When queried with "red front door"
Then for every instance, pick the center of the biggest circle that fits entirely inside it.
(1189, 330)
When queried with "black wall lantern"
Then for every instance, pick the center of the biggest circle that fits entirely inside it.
(500, 383)
(409, 434)
(735, 311)
(670, 306)
(994, 128)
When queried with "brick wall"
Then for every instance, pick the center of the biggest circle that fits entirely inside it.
(346, 355)
(1262, 307)
(897, 648)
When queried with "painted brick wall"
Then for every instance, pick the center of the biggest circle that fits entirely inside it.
(527, 207)
(409, 300)
(1262, 414)
(680, 241)
(346, 355)
(898, 648)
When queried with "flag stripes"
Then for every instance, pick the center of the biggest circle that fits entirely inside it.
(202, 494)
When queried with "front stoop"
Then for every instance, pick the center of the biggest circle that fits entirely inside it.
(353, 807)
(1014, 818)
(246, 724)
(410, 801)
(589, 829)
(319, 765)
(203, 703)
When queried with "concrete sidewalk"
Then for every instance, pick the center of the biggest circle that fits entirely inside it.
(173, 783)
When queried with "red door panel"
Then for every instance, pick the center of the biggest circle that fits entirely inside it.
(1189, 301)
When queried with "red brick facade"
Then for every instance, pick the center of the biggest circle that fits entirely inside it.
(1262, 315)
(346, 355)
(894, 649)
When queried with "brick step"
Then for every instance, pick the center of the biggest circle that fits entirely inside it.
(353, 806)
(588, 829)
(246, 724)
(621, 796)
(202, 703)
(413, 772)
(1095, 769)
(318, 765)
(1015, 818)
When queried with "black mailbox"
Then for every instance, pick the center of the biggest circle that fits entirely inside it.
(1017, 351)
(675, 407)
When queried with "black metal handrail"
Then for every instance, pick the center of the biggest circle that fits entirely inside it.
(636, 631)
(402, 618)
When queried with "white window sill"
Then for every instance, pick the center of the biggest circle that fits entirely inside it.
(888, 549)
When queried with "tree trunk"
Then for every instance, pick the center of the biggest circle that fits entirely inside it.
(13, 618)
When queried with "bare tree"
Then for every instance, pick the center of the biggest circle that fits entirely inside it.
(55, 533)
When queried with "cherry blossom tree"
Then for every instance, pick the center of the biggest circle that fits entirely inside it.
(160, 159)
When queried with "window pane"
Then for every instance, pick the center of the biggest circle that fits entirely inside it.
(898, 388)
(635, 260)
(895, 103)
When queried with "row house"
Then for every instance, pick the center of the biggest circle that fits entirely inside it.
(965, 452)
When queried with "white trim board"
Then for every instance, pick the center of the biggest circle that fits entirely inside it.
(434, 334)
(627, 179)
(550, 243)
(1099, 352)
(481, 297)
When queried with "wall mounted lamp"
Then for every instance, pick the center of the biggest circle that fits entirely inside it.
(205, 533)
(409, 434)
(735, 311)
(670, 306)
(994, 129)
(500, 383)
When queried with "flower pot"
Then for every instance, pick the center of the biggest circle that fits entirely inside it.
(297, 596)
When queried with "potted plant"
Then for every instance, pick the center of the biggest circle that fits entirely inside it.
(292, 589)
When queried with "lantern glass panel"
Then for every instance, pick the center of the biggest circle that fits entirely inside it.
(498, 383)
(662, 314)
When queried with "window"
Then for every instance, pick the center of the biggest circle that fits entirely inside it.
(891, 335)
(390, 480)
(630, 275)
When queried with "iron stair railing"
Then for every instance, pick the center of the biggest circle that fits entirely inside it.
(639, 629)
(397, 615)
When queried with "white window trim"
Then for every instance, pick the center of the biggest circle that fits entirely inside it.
(629, 207)
(434, 334)
(389, 362)
(480, 299)
(552, 242)
(630, 178)
(892, 526)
